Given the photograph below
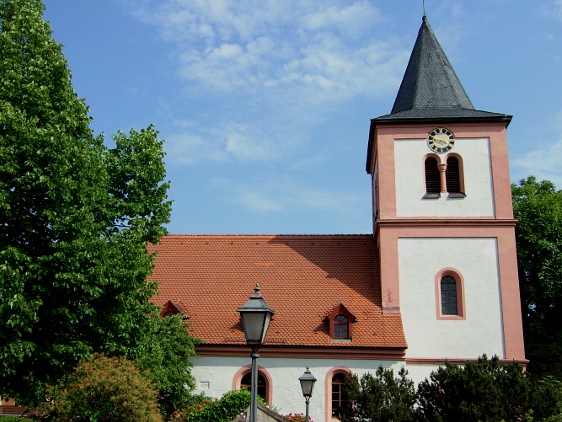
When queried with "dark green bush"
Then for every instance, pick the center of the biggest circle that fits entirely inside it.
(380, 398)
(487, 390)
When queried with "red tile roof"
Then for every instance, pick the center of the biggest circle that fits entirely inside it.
(302, 277)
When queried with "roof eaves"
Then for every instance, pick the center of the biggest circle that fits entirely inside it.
(389, 119)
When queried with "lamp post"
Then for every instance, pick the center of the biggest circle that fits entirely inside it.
(256, 316)
(307, 385)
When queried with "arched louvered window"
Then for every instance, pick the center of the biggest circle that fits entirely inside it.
(449, 296)
(432, 178)
(453, 176)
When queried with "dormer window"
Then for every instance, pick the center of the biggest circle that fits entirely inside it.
(341, 327)
(340, 320)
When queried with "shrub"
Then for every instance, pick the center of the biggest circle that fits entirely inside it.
(228, 407)
(103, 389)
(381, 397)
(487, 390)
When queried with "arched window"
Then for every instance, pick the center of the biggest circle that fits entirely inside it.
(449, 296)
(432, 178)
(243, 378)
(339, 398)
(452, 175)
(335, 393)
(246, 381)
(341, 327)
(449, 289)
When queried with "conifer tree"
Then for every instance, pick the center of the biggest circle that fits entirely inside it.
(75, 216)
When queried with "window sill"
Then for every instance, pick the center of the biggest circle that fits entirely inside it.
(451, 317)
(457, 195)
(432, 196)
(345, 340)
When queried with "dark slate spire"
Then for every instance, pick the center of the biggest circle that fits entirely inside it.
(430, 81)
(430, 88)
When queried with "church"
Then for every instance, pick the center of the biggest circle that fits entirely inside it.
(435, 281)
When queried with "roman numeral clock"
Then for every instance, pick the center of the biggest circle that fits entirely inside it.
(441, 140)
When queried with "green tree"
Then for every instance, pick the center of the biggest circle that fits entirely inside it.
(103, 389)
(164, 353)
(380, 398)
(538, 206)
(75, 217)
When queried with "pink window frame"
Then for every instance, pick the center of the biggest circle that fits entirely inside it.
(328, 390)
(237, 380)
(457, 276)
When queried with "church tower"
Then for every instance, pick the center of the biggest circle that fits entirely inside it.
(443, 218)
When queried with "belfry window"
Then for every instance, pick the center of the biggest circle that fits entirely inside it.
(453, 175)
(432, 178)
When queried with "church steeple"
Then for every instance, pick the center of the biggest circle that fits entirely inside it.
(431, 92)
(430, 81)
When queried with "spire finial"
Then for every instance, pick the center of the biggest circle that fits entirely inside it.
(424, 16)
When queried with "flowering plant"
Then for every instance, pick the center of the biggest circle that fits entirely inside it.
(180, 415)
(297, 417)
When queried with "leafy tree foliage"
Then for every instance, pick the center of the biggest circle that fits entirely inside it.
(164, 353)
(487, 390)
(103, 389)
(538, 206)
(380, 398)
(75, 216)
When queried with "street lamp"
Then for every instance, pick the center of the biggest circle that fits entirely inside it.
(307, 385)
(256, 316)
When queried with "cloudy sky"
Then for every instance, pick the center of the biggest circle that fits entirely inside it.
(265, 105)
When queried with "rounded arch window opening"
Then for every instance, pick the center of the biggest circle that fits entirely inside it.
(246, 382)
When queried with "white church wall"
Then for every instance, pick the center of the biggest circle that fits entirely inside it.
(410, 183)
(217, 374)
(420, 259)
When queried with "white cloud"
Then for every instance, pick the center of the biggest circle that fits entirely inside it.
(280, 196)
(541, 163)
(289, 61)
(246, 44)
(554, 10)
(229, 141)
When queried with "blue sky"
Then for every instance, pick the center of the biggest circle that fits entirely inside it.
(265, 105)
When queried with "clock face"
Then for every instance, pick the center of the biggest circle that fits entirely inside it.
(441, 140)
